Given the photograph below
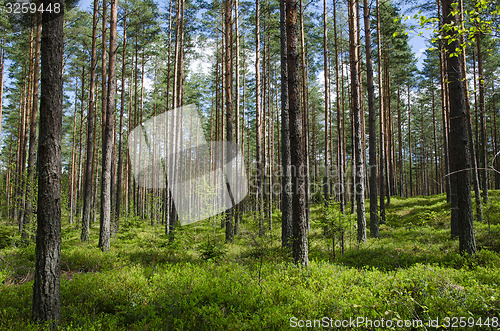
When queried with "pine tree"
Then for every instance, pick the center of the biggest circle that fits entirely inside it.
(46, 288)
(108, 137)
(459, 156)
(299, 221)
(374, 231)
(356, 110)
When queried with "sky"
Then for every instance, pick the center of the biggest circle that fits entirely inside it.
(417, 43)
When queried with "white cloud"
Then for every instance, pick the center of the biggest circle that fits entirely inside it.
(419, 53)
(204, 55)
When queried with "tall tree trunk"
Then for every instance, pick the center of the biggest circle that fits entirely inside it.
(71, 179)
(30, 189)
(326, 189)
(459, 156)
(305, 114)
(17, 171)
(359, 183)
(473, 152)
(107, 141)
(228, 60)
(264, 122)
(381, 120)
(46, 290)
(87, 186)
(482, 119)
(340, 137)
(237, 212)
(2, 63)
(372, 139)
(103, 67)
(410, 147)
(80, 146)
(286, 196)
(120, 130)
(495, 155)
(444, 108)
(258, 152)
(434, 142)
(399, 170)
(26, 101)
(387, 129)
(299, 221)
(167, 194)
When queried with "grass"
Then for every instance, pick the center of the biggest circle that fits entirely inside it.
(197, 282)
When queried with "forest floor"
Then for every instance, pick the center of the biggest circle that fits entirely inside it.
(411, 273)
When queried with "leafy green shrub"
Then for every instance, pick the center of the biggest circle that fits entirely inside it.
(86, 259)
(212, 249)
(131, 222)
(492, 211)
(5, 238)
(145, 282)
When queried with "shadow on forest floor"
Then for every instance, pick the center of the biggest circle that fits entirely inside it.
(417, 230)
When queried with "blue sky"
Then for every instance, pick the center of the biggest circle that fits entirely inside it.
(418, 43)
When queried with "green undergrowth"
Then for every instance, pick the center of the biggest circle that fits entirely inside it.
(197, 282)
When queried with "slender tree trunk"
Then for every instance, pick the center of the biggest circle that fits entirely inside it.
(495, 155)
(46, 290)
(474, 173)
(2, 63)
(73, 160)
(17, 171)
(444, 109)
(359, 183)
(167, 194)
(482, 119)
(399, 170)
(80, 147)
(434, 142)
(264, 122)
(104, 66)
(305, 113)
(24, 137)
(30, 186)
(258, 152)
(87, 186)
(286, 196)
(228, 60)
(410, 147)
(340, 137)
(237, 211)
(381, 120)
(423, 153)
(169, 52)
(8, 185)
(387, 129)
(459, 156)
(372, 140)
(107, 141)
(326, 181)
(299, 221)
(120, 130)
